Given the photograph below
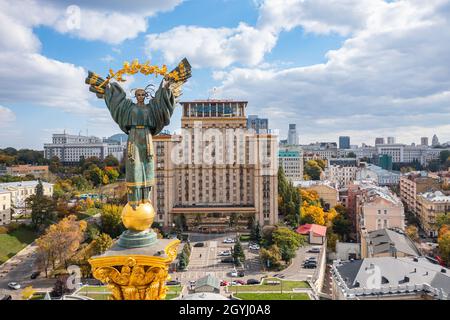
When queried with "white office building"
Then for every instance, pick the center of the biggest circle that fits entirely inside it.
(71, 148)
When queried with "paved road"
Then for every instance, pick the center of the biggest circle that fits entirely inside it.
(19, 269)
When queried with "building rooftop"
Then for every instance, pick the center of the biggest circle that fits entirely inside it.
(31, 183)
(204, 296)
(380, 242)
(288, 154)
(436, 196)
(208, 280)
(390, 276)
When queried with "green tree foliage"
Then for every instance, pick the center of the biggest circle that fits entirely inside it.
(238, 253)
(255, 232)
(42, 209)
(313, 168)
(332, 239)
(111, 220)
(442, 219)
(287, 242)
(60, 287)
(111, 161)
(289, 200)
(271, 257)
(351, 155)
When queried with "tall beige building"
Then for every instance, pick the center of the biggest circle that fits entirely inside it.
(215, 173)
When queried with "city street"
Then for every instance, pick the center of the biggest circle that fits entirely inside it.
(205, 260)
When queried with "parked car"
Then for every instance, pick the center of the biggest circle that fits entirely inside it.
(6, 297)
(234, 274)
(225, 253)
(35, 274)
(241, 273)
(199, 244)
(235, 283)
(314, 250)
(254, 246)
(253, 281)
(224, 283)
(14, 285)
(229, 240)
(173, 283)
(227, 260)
(312, 259)
(310, 265)
(241, 282)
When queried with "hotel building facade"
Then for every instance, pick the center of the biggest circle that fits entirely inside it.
(217, 174)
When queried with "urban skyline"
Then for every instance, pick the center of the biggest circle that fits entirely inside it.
(319, 61)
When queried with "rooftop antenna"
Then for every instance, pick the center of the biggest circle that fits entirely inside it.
(212, 93)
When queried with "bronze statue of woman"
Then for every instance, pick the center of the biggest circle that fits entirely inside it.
(140, 121)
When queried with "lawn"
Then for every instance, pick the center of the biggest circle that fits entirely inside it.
(285, 285)
(13, 242)
(272, 296)
(103, 293)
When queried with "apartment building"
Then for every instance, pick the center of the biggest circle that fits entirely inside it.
(413, 183)
(5, 207)
(380, 176)
(341, 171)
(292, 163)
(216, 170)
(428, 206)
(20, 191)
(378, 208)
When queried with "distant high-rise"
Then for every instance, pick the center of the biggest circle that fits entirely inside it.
(391, 140)
(344, 142)
(435, 141)
(379, 140)
(259, 125)
(292, 135)
(424, 141)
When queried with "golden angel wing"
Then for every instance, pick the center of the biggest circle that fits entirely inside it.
(183, 73)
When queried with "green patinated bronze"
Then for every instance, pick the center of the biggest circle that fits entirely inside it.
(140, 123)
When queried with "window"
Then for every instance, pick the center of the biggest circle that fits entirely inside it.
(379, 211)
(385, 211)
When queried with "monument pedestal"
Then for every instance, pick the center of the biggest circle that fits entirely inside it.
(136, 273)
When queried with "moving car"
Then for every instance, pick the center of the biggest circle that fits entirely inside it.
(253, 281)
(314, 250)
(14, 285)
(35, 274)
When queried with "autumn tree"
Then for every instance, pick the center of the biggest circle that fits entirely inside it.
(444, 246)
(412, 232)
(271, 257)
(102, 243)
(61, 241)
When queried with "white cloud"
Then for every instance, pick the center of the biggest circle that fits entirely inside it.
(392, 75)
(108, 21)
(215, 47)
(6, 116)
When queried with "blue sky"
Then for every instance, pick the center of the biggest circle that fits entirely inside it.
(364, 68)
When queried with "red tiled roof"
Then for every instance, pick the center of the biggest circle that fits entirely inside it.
(315, 228)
